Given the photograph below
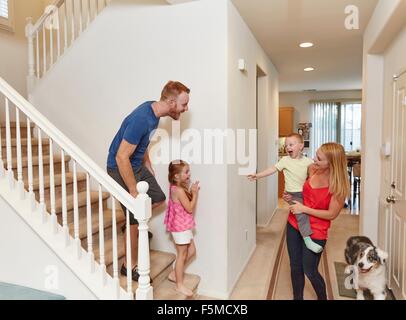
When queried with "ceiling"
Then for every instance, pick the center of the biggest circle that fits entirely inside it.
(281, 25)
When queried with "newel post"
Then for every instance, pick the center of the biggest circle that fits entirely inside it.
(143, 214)
(29, 33)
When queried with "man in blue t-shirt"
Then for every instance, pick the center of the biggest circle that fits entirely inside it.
(128, 161)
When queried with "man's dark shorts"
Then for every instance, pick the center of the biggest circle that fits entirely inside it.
(141, 174)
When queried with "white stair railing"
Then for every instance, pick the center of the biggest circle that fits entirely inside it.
(141, 206)
(55, 31)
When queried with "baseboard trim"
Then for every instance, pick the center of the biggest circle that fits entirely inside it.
(275, 271)
(242, 271)
(270, 219)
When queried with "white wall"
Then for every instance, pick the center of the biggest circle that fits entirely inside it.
(27, 261)
(300, 101)
(242, 115)
(126, 56)
(386, 23)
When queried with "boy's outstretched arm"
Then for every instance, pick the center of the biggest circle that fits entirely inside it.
(268, 172)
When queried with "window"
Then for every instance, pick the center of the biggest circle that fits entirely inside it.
(6, 15)
(351, 126)
(335, 121)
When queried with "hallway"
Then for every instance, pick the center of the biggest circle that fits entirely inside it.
(260, 281)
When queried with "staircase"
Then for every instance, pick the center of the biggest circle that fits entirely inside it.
(81, 206)
(65, 188)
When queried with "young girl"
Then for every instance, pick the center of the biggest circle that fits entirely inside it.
(179, 219)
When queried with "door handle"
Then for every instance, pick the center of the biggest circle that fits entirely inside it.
(393, 185)
(391, 199)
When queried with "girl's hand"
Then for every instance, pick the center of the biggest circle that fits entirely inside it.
(252, 177)
(287, 197)
(297, 207)
(195, 187)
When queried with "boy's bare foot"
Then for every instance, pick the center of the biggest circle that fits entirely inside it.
(183, 290)
(172, 277)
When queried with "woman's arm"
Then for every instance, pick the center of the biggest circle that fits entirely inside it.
(332, 213)
(189, 205)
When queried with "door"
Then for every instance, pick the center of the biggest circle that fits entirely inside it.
(397, 197)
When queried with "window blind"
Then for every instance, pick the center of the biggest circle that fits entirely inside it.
(4, 8)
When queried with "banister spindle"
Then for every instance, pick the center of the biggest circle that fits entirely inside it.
(44, 45)
(73, 21)
(80, 16)
(128, 254)
(76, 212)
(65, 24)
(51, 44)
(64, 201)
(89, 225)
(54, 219)
(101, 238)
(58, 32)
(37, 54)
(31, 193)
(115, 252)
(42, 206)
(88, 13)
(20, 183)
(10, 172)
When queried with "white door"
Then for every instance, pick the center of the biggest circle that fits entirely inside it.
(397, 198)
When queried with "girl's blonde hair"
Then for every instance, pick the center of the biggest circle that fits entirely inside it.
(339, 180)
(176, 167)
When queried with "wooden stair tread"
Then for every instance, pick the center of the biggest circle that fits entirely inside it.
(35, 160)
(13, 124)
(94, 198)
(57, 180)
(166, 290)
(107, 221)
(24, 142)
(159, 262)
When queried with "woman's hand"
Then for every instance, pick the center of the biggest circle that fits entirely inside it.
(297, 207)
(252, 177)
(195, 187)
(287, 197)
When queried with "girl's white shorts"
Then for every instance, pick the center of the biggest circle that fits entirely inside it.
(182, 238)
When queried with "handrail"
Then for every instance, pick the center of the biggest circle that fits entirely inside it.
(66, 144)
(44, 17)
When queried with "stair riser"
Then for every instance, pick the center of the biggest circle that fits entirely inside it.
(23, 132)
(35, 168)
(82, 211)
(108, 253)
(58, 191)
(45, 151)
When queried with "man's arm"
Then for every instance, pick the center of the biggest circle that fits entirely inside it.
(124, 166)
(147, 162)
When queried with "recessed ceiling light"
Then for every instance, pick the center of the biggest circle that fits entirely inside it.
(309, 69)
(306, 45)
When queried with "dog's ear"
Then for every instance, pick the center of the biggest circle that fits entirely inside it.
(383, 256)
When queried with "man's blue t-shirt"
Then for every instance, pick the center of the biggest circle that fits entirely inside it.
(136, 129)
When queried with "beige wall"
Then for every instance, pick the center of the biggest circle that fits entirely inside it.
(13, 45)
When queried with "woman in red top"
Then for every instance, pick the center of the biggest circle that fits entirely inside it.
(324, 194)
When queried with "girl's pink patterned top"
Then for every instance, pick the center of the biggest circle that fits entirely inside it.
(177, 219)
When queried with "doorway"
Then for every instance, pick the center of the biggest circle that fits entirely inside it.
(262, 203)
(392, 208)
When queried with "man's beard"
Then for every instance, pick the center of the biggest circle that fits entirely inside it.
(174, 115)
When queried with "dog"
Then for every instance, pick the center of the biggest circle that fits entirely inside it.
(368, 265)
